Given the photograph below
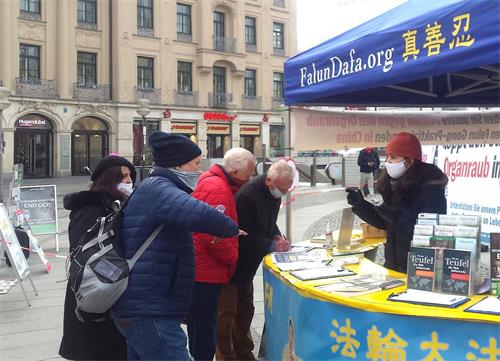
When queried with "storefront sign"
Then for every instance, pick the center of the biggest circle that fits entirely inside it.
(183, 128)
(473, 172)
(218, 116)
(338, 332)
(249, 129)
(314, 129)
(222, 129)
(39, 206)
(32, 121)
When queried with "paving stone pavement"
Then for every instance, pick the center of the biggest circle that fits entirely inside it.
(33, 333)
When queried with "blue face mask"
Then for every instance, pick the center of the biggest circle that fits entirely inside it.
(188, 178)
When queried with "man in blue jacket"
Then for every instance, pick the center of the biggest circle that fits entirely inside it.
(160, 285)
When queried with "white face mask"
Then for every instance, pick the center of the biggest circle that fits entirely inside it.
(395, 170)
(276, 193)
(125, 188)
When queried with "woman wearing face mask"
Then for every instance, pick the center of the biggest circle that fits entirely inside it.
(112, 180)
(408, 187)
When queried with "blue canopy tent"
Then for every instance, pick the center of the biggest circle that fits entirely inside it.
(421, 53)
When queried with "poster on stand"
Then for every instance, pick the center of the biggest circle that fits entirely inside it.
(39, 207)
(473, 172)
(12, 246)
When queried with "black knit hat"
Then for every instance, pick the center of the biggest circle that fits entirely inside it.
(172, 150)
(112, 161)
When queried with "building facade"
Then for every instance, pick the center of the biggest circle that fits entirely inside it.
(211, 69)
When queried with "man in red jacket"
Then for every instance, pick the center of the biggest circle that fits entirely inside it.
(215, 258)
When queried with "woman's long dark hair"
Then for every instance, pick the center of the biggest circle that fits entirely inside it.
(404, 185)
(108, 182)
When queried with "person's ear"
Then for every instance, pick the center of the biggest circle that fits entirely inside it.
(267, 181)
(409, 162)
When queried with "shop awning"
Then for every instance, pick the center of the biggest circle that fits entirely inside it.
(421, 53)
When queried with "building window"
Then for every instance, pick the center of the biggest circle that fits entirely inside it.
(278, 86)
(145, 14)
(87, 11)
(29, 62)
(30, 6)
(219, 24)
(184, 78)
(183, 19)
(250, 32)
(278, 36)
(151, 126)
(145, 72)
(219, 80)
(276, 139)
(250, 83)
(87, 68)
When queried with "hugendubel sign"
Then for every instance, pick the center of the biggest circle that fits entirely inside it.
(32, 121)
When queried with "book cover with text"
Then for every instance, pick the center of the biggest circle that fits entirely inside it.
(456, 272)
(421, 268)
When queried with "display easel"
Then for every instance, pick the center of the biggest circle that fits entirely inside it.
(18, 218)
(14, 252)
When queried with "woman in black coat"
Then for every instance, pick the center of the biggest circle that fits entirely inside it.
(408, 187)
(112, 180)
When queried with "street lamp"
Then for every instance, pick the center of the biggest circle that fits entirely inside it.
(4, 104)
(143, 111)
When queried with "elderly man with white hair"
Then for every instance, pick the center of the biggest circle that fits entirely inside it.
(215, 258)
(258, 204)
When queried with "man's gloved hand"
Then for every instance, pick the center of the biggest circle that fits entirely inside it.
(387, 213)
(354, 197)
(282, 245)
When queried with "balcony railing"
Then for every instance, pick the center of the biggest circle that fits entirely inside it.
(148, 32)
(251, 48)
(185, 38)
(252, 102)
(226, 45)
(28, 15)
(92, 93)
(152, 94)
(87, 25)
(35, 88)
(278, 52)
(188, 99)
(219, 100)
(277, 103)
(279, 3)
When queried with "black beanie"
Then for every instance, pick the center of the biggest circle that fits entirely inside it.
(112, 161)
(172, 150)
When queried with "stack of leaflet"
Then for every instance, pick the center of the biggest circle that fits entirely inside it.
(291, 261)
(445, 254)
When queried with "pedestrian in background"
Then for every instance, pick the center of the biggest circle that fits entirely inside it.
(215, 260)
(113, 180)
(160, 285)
(408, 187)
(369, 162)
(258, 204)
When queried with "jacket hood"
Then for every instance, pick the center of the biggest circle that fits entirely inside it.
(219, 171)
(74, 201)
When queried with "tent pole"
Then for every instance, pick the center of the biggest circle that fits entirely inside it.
(288, 201)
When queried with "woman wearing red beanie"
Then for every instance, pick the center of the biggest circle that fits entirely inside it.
(408, 187)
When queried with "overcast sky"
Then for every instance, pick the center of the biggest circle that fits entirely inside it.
(320, 20)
